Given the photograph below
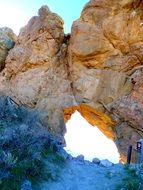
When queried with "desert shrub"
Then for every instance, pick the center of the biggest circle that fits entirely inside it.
(27, 150)
(131, 181)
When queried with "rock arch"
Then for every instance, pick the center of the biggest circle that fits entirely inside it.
(96, 70)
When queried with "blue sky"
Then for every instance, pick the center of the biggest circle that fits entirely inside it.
(16, 13)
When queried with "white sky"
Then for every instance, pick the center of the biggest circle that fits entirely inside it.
(82, 138)
(12, 16)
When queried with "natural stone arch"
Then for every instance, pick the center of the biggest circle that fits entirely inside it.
(120, 132)
(50, 71)
(96, 118)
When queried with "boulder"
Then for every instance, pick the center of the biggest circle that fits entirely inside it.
(96, 161)
(7, 41)
(106, 163)
(80, 158)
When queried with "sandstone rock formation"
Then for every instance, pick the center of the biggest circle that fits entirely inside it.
(7, 39)
(96, 70)
(105, 53)
(36, 68)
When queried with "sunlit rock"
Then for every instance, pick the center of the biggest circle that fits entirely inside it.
(92, 70)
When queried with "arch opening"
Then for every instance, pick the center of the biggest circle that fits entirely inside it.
(92, 142)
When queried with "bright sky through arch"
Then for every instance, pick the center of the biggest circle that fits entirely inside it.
(82, 138)
(16, 13)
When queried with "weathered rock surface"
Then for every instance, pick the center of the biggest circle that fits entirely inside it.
(95, 70)
(105, 52)
(101, 50)
(130, 110)
(36, 68)
(7, 40)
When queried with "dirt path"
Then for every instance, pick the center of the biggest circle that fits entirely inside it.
(83, 175)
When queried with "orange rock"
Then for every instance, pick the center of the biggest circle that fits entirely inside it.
(94, 117)
(92, 70)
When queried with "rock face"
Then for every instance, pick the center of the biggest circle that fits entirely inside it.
(96, 70)
(36, 68)
(105, 57)
(102, 50)
(7, 40)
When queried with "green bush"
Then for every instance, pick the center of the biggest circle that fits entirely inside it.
(131, 181)
(27, 150)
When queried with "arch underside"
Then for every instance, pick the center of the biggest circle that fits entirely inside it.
(106, 125)
(94, 117)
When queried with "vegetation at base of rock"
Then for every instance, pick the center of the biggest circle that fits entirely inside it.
(132, 180)
(27, 150)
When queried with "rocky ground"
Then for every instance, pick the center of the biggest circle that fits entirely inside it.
(77, 175)
(80, 174)
(66, 172)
